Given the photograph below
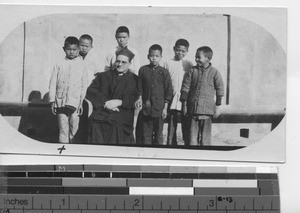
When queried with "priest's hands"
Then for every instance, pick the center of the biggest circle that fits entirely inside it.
(113, 104)
(115, 109)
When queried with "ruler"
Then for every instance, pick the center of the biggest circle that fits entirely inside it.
(138, 189)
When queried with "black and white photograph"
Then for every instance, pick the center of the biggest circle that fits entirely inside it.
(145, 82)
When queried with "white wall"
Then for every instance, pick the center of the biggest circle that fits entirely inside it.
(258, 63)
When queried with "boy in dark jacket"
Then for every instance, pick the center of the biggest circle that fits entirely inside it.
(155, 92)
(199, 87)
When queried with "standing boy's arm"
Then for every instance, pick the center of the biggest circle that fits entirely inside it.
(168, 93)
(165, 111)
(219, 87)
(186, 84)
(52, 84)
(139, 102)
(185, 88)
(84, 85)
(52, 88)
(140, 82)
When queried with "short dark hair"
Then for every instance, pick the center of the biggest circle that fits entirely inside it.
(207, 51)
(122, 29)
(87, 37)
(155, 47)
(71, 40)
(182, 42)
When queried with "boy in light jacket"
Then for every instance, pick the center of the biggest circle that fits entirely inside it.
(67, 90)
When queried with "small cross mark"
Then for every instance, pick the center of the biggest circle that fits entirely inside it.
(61, 149)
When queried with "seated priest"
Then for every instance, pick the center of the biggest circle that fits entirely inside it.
(113, 95)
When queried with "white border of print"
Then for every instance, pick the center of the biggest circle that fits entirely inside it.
(274, 142)
(289, 172)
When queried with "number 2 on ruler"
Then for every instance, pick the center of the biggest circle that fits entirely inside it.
(136, 202)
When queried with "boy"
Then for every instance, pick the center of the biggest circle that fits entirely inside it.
(67, 90)
(197, 96)
(85, 45)
(156, 92)
(122, 37)
(177, 67)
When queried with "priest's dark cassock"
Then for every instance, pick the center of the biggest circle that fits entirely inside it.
(108, 126)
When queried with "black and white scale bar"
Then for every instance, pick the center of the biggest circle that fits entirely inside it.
(118, 202)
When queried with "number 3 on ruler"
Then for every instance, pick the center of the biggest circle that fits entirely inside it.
(211, 203)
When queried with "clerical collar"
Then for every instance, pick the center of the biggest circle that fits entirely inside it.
(120, 73)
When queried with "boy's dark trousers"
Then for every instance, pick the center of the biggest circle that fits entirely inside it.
(152, 130)
(139, 129)
(200, 132)
(172, 128)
